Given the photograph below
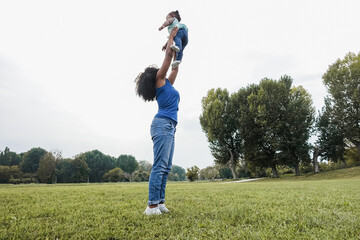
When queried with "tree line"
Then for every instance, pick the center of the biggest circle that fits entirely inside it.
(39, 165)
(268, 125)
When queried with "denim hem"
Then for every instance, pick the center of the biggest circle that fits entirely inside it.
(156, 202)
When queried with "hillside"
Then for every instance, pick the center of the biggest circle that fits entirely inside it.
(352, 172)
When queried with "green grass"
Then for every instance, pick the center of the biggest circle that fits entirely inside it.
(264, 209)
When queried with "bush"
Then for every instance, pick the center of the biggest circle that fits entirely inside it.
(173, 177)
(352, 157)
(210, 173)
(192, 173)
(29, 178)
(4, 174)
(140, 176)
(331, 166)
(225, 172)
(15, 180)
(306, 168)
(114, 175)
(177, 173)
(7, 173)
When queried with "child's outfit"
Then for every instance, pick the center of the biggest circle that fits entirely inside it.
(181, 40)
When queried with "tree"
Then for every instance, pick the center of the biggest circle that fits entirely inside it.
(47, 167)
(145, 166)
(224, 172)
(276, 129)
(192, 173)
(352, 156)
(177, 173)
(99, 164)
(8, 158)
(7, 173)
(269, 107)
(210, 173)
(80, 169)
(299, 118)
(219, 123)
(249, 132)
(316, 153)
(342, 79)
(5, 158)
(64, 170)
(114, 175)
(127, 163)
(31, 159)
(331, 138)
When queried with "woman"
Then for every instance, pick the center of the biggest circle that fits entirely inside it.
(153, 84)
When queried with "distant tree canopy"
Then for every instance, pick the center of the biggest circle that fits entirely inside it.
(8, 158)
(98, 163)
(47, 167)
(38, 165)
(177, 173)
(127, 163)
(64, 170)
(31, 159)
(81, 170)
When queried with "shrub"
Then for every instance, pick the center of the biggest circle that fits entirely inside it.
(210, 173)
(306, 168)
(114, 175)
(192, 173)
(6, 173)
(140, 176)
(15, 180)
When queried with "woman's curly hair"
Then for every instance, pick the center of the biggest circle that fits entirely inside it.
(145, 83)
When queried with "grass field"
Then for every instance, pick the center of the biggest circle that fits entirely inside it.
(309, 207)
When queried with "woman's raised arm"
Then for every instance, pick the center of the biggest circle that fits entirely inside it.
(161, 74)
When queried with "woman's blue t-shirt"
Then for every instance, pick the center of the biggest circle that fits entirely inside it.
(168, 99)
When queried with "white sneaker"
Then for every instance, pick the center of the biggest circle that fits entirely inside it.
(175, 48)
(163, 209)
(175, 64)
(152, 211)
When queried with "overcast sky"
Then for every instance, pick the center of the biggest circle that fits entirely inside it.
(67, 68)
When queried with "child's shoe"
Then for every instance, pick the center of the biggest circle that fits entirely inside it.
(163, 209)
(152, 211)
(175, 63)
(175, 48)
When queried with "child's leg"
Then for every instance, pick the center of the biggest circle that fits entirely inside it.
(181, 40)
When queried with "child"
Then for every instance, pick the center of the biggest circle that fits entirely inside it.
(181, 39)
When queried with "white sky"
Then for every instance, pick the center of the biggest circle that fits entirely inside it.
(67, 67)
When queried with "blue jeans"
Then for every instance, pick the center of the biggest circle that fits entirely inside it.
(181, 40)
(163, 136)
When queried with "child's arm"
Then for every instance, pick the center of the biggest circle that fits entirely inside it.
(164, 47)
(166, 23)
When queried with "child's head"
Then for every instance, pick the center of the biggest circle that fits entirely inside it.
(175, 14)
